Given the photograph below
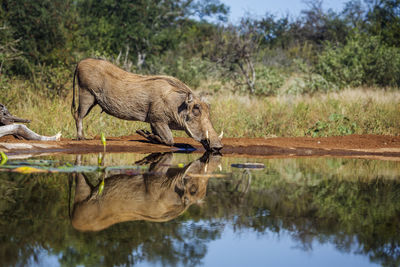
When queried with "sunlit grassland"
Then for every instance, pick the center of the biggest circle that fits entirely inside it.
(358, 111)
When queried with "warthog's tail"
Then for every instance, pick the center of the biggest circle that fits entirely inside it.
(73, 105)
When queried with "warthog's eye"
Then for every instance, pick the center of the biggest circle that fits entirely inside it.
(196, 110)
(193, 189)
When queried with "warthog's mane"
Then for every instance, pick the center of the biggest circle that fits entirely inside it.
(175, 83)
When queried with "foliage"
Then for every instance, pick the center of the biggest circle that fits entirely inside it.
(9, 53)
(384, 20)
(147, 28)
(192, 71)
(362, 60)
(309, 82)
(269, 80)
(336, 124)
(317, 26)
(318, 52)
(233, 49)
(40, 27)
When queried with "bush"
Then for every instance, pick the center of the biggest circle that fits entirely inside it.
(190, 71)
(53, 80)
(310, 83)
(363, 60)
(337, 124)
(269, 80)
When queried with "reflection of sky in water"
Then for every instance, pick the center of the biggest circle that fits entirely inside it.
(249, 248)
(44, 259)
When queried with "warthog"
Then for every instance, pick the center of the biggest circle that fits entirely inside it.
(7, 127)
(164, 102)
(159, 195)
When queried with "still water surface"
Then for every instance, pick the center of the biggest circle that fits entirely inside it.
(192, 210)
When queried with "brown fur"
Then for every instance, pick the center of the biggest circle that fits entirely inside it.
(164, 102)
(160, 195)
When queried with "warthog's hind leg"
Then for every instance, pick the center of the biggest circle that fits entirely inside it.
(86, 102)
(161, 134)
(25, 132)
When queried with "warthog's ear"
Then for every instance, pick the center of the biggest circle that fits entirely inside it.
(184, 107)
(189, 98)
(204, 99)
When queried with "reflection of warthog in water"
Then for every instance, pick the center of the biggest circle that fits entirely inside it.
(164, 102)
(159, 195)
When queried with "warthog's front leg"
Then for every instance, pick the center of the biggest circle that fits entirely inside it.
(161, 134)
(25, 132)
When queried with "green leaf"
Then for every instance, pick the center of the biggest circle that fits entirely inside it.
(4, 158)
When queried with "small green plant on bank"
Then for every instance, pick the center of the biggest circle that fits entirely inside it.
(3, 158)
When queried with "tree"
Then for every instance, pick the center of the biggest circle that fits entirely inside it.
(354, 13)
(383, 19)
(147, 28)
(275, 31)
(319, 26)
(8, 51)
(40, 28)
(233, 49)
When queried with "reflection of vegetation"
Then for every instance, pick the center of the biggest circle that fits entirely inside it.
(350, 203)
(34, 212)
(354, 204)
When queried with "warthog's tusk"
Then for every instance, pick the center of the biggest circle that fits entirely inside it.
(207, 134)
(222, 134)
(190, 132)
(220, 167)
(205, 168)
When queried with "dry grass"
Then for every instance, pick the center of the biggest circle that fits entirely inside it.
(367, 110)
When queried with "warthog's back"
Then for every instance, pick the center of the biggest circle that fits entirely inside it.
(126, 95)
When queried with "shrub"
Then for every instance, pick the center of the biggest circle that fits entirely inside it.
(190, 71)
(337, 124)
(363, 60)
(308, 82)
(53, 80)
(269, 80)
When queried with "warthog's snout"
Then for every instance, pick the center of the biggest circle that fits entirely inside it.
(213, 143)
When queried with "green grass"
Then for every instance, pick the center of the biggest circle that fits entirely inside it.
(358, 111)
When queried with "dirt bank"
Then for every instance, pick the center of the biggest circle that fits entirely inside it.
(368, 146)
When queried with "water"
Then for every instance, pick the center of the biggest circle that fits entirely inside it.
(187, 210)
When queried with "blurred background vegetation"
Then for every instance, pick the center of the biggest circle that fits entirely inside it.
(318, 52)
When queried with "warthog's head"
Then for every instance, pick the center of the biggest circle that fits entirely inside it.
(197, 123)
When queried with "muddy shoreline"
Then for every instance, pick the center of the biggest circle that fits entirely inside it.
(359, 146)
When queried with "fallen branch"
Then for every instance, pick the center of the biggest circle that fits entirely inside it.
(7, 127)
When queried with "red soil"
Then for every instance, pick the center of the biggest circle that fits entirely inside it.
(371, 146)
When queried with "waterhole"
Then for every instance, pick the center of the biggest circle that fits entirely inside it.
(172, 209)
